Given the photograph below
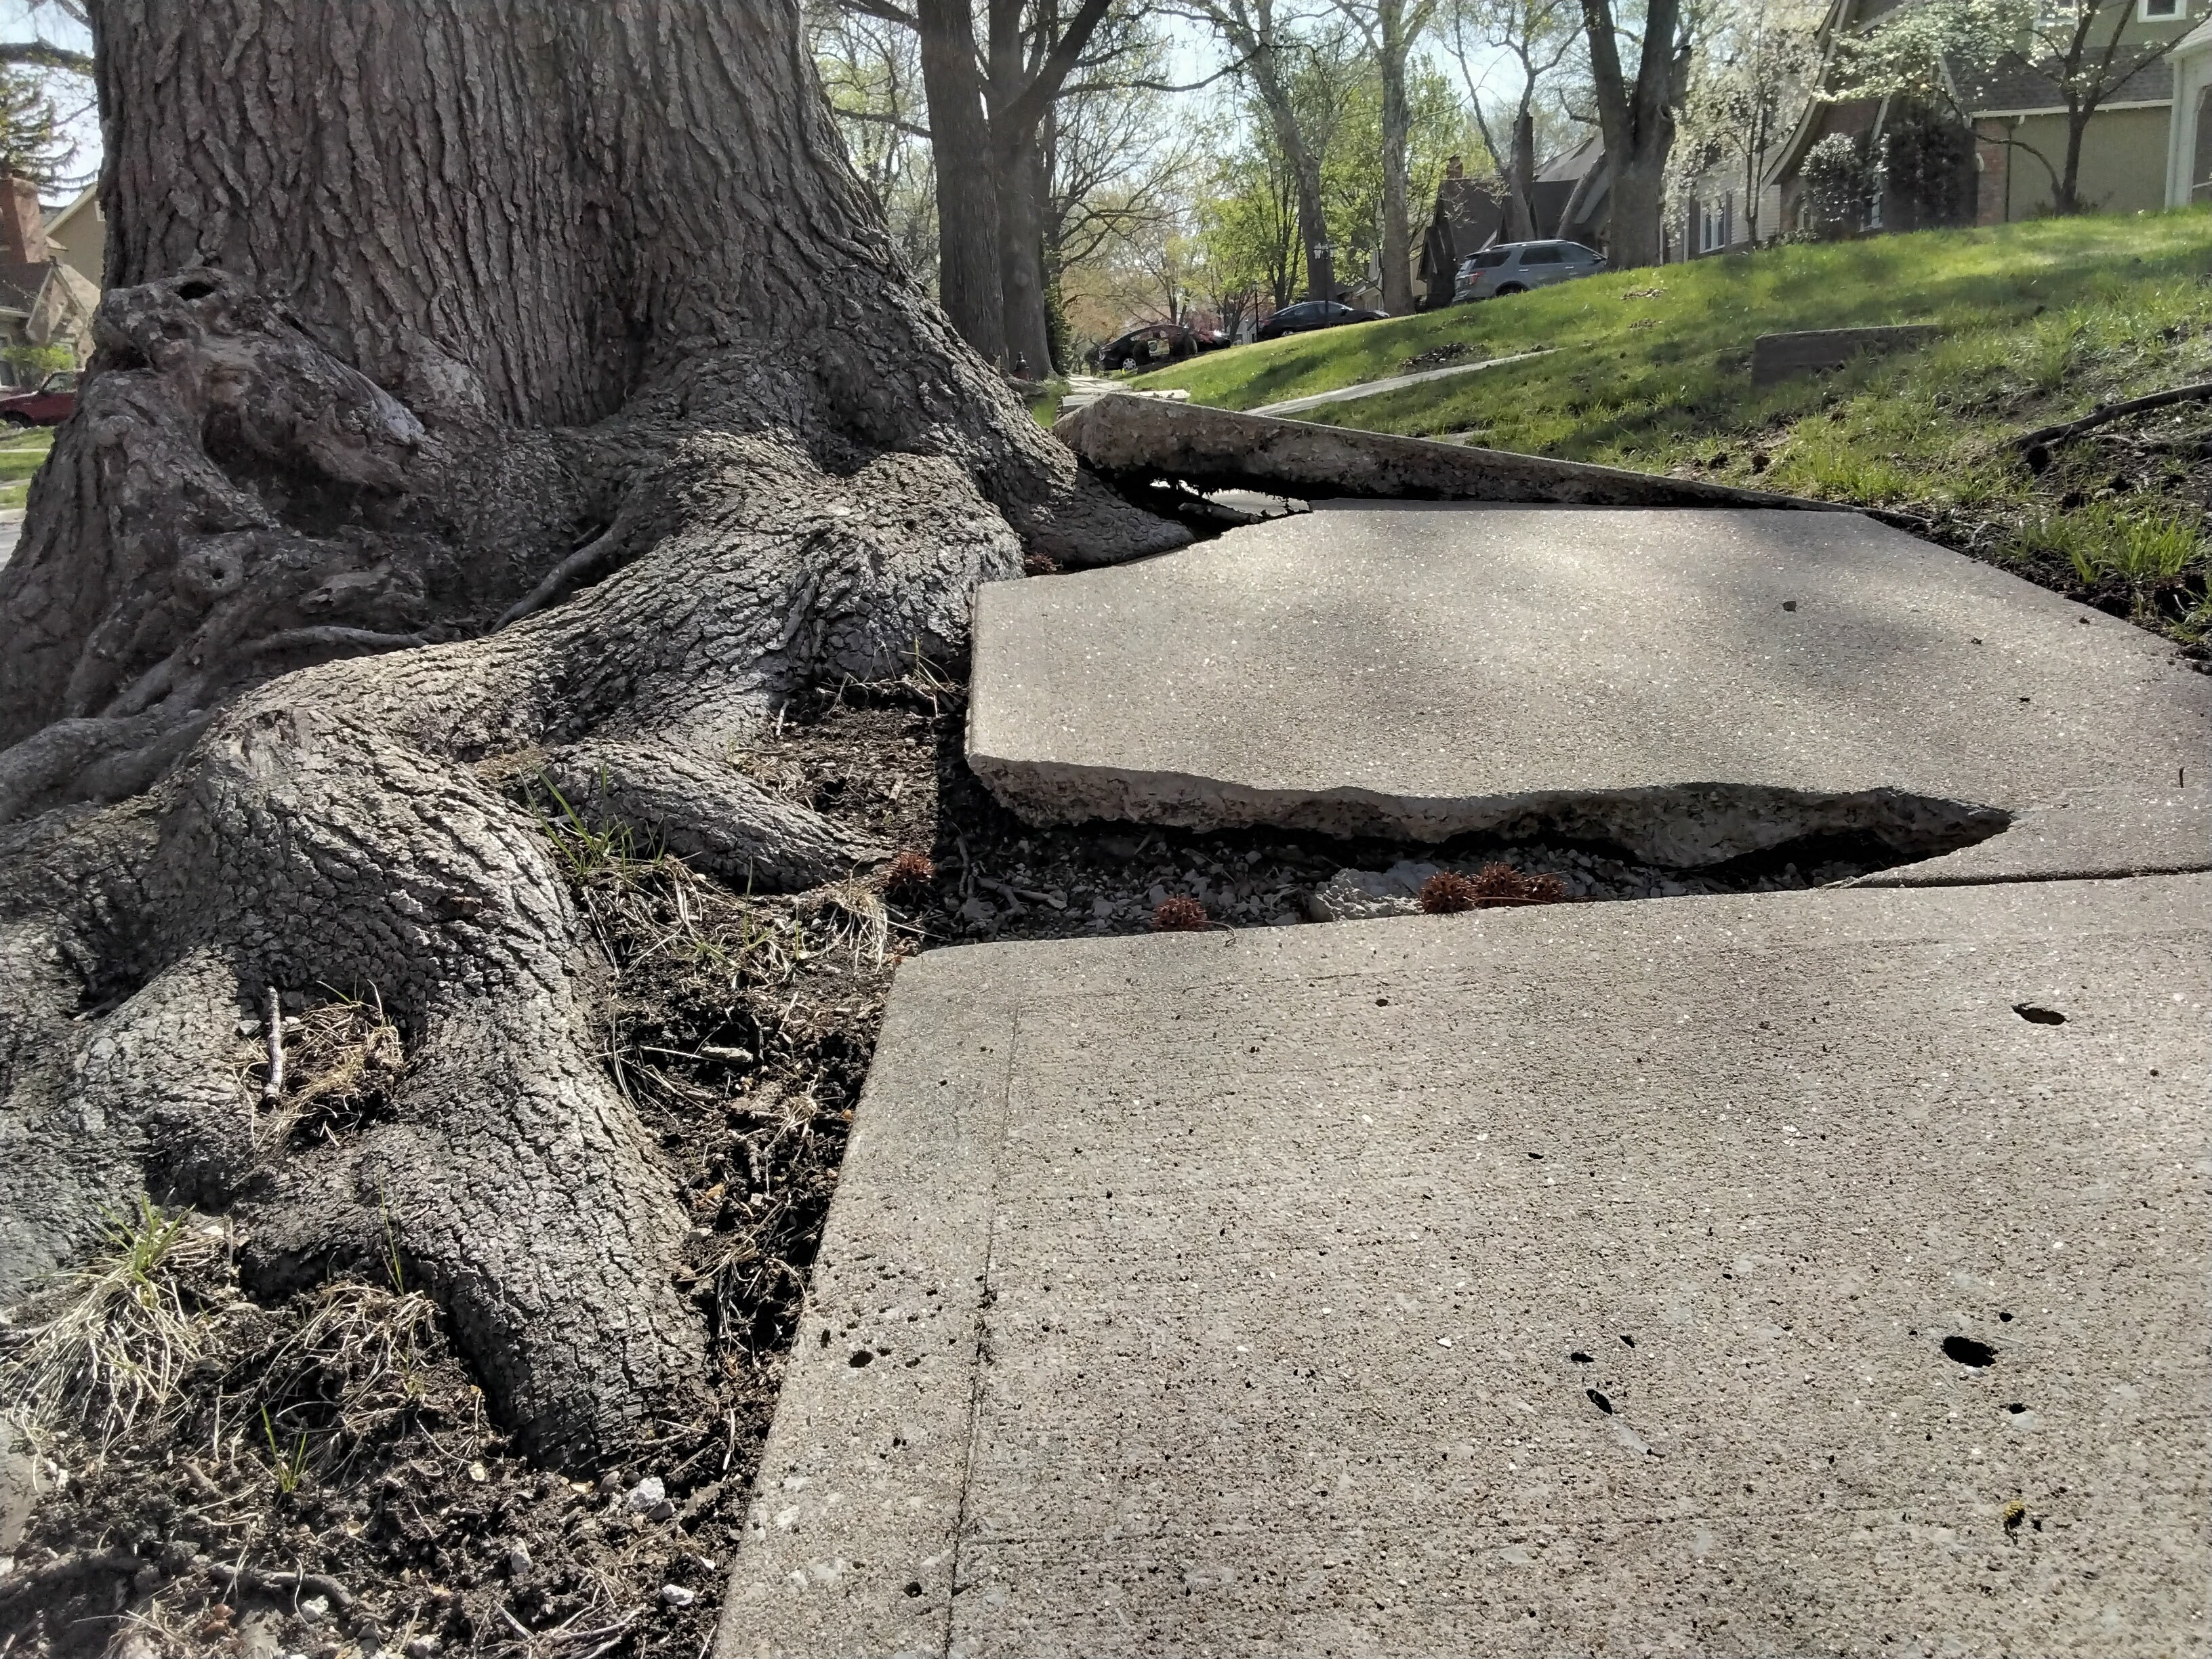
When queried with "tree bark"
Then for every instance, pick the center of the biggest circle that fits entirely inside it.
(969, 284)
(1638, 122)
(1521, 173)
(424, 315)
(1397, 122)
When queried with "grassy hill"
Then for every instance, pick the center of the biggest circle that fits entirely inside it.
(1651, 370)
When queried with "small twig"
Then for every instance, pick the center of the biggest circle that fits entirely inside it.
(2046, 435)
(272, 1584)
(273, 1090)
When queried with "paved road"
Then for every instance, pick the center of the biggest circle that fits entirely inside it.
(11, 526)
(1376, 388)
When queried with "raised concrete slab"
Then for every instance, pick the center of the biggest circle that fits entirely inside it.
(1345, 394)
(1139, 439)
(1734, 1275)
(1690, 685)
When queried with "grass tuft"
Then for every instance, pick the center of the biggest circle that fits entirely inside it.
(104, 1348)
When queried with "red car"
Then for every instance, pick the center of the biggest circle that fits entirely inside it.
(53, 402)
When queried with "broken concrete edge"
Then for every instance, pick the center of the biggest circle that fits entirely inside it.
(2096, 835)
(1680, 825)
(1137, 440)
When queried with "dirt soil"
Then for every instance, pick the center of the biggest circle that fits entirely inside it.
(324, 1480)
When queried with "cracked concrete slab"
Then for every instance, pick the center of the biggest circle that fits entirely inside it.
(1734, 1275)
(1690, 685)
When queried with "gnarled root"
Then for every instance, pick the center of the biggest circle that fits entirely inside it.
(334, 827)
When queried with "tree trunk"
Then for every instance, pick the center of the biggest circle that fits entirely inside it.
(1397, 121)
(1521, 175)
(423, 314)
(970, 285)
(1637, 121)
(2066, 199)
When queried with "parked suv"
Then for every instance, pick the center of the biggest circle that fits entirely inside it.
(1309, 314)
(1517, 267)
(53, 402)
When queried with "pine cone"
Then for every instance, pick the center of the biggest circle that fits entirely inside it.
(910, 872)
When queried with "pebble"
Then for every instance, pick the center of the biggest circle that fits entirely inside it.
(518, 1560)
(646, 1496)
(676, 1596)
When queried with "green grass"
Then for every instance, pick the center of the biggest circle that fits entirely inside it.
(1651, 370)
(21, 454)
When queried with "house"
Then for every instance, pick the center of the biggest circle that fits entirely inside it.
(1469, 215)
(46, 297)
(1922, 169)
(2189, 133)
(1715, 214)
(1571, 198)
(76, 234)
(1567, 199)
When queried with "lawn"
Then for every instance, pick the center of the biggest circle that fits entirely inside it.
(21, 453)
(1651, 370)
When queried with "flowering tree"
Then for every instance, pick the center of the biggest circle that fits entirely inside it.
(1942, 52)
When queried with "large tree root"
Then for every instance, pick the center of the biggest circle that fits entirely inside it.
(335, 827)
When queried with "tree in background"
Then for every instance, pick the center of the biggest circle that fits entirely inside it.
(1393, 30)
(870, 71)
(1748, 84)
(1271, 52)
(1637, 118)
(1248, 214)
(1352, 178)
(1940, 53)
(1539, 36)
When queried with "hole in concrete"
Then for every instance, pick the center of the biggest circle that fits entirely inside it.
(2017, 1408)
(2004, 1319)
(861, 1357)
(1600, 1401)
(1967, 1352)
(1580, 1358)
(2035, 1016)
(1628, 1339)
(913, 1588)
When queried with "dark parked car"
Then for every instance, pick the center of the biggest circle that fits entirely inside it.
(1158, 343)
(1309, 314)
(53, 403)
(1517, 267)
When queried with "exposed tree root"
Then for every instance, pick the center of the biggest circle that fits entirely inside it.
(331, 827)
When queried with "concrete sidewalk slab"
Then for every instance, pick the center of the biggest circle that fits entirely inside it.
(1690, 686)
(1345, 394)
(1738, 1275)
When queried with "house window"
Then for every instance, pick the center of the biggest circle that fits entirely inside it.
(2159, 11)
(1713, 224)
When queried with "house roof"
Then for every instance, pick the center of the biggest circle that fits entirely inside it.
(1571, 163)
(2013, 83)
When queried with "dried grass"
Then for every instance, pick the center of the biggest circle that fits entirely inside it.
(104, 1348)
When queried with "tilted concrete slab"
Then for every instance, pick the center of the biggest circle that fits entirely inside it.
(1690, 685)
(1583, 1279)
(1139, 438)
